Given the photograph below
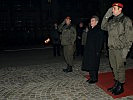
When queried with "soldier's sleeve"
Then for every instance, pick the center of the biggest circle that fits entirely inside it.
(60, 27)
(104, 24)
(128, 29)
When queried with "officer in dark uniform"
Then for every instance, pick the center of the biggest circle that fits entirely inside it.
(68, 38)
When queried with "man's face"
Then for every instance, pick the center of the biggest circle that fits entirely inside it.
(81, 25)
(55, 25)
(116, 10)
(93, 22)
(68, 21)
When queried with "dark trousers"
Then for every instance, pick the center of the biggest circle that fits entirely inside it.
(93, 75)
(82, 50)
(56, 49)
(78, 47)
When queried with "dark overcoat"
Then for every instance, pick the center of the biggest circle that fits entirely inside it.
(91, 57)
(55, 36)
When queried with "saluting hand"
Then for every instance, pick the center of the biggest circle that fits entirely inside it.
(109, 13)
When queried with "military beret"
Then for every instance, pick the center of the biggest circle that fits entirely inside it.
(118, 4)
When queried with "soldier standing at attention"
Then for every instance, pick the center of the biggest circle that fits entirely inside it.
(120, 37)
(68, 38)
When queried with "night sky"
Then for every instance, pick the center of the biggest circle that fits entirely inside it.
(30, 20)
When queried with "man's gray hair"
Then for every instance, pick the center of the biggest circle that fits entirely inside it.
(96, 17)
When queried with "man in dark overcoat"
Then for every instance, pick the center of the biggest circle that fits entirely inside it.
(91, 58)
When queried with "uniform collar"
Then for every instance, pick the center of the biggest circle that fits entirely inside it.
(120, 15)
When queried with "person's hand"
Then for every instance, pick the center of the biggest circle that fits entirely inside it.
(109, 13)
(79, 37)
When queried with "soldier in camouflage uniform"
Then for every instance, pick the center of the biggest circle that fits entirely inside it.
(120, 39)
(68, 38)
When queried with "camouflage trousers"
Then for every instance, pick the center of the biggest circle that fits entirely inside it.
(68, 54)
(117, 64)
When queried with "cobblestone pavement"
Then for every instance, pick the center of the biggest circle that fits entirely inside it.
(48, 82)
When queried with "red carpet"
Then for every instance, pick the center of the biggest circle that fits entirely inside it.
(106, 81)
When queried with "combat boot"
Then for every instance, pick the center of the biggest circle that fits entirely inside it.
(119, 89)
(68, 69)
(114, 87)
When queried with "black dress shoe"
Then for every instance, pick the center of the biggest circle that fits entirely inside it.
(93, 81)
(68, 69)
(90, 81)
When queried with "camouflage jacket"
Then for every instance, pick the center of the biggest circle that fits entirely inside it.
(120, 31)
(68, 35)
